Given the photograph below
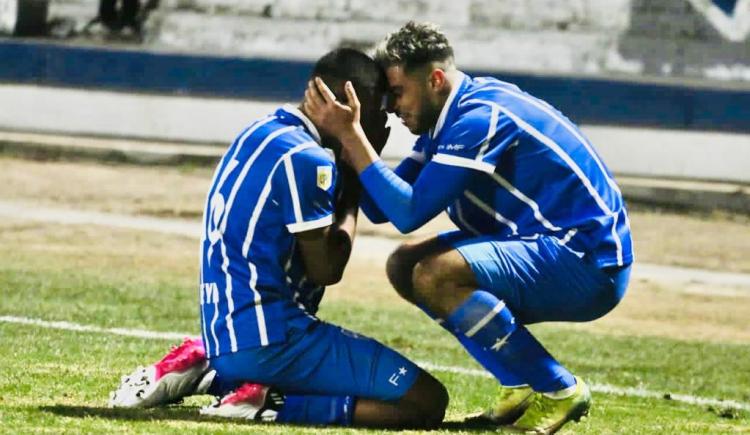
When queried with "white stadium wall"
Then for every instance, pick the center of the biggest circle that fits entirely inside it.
(698, 43)
(672, 38)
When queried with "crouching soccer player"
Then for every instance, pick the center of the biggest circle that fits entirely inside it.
(542, 235)
(271, 238)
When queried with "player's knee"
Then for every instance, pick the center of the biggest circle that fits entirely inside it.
(427, 401)
(435, 413)
(431, 277)
(398, 268)
(423, 279)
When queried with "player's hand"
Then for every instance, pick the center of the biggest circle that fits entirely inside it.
(331, 116)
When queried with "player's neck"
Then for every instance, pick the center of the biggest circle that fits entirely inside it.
(453, 79)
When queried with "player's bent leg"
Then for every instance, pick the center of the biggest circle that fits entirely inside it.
(442, 281)
(184, 371)
(400, 264)
(423, 407)
(445, 284)
(434, 276)
(331, 376)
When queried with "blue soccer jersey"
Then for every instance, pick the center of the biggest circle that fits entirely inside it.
(503, 162)
(274, 181)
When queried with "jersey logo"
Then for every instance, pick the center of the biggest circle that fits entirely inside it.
(325, 177)
(450, 147)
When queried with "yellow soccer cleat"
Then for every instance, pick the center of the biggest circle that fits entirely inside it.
(546, 415)
(509, 405)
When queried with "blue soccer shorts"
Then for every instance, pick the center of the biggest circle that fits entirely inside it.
(319, 358)
(540, 280)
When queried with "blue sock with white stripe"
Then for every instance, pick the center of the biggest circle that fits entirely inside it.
(317, 410)
(487, 358)
(485, 320)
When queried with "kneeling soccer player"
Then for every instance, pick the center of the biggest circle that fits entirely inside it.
(271, 238)
(543, 232)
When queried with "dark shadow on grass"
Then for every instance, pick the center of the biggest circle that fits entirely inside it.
(168, 413)
(183, 413)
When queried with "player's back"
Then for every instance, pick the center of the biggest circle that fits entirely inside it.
(541, 175)
(251, 279)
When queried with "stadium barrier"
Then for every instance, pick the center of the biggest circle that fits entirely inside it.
(598, 101)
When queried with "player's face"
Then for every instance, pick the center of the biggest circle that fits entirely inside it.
(374, 119)
(412, 99)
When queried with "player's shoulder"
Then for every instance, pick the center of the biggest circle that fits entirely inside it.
(313, 154)
(480, 102)
(481, 92)
(473, 114)
(275, 129)
(486, 88)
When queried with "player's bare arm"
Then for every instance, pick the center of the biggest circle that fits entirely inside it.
(326, 251)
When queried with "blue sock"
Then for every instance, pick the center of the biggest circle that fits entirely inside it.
(218, 387)
(488, 323)
(542, 371)
(317, 410)
(486, 358)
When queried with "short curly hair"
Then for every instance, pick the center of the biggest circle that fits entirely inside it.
(414, 45)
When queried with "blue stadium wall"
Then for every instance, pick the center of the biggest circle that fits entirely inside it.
(584, 100)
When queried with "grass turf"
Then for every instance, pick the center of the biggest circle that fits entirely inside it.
(58, 381)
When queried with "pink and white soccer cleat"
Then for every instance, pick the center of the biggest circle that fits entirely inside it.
(250, 402)
(182, 372)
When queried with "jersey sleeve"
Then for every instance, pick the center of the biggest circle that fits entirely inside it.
(408, 170)
(307, 183)
(478, 137)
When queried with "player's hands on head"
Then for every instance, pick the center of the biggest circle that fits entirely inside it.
(329, 115)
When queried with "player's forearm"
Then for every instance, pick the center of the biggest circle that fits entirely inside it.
(340, 237)
(393, 197)
(371, 210)
(408, 170)
(409, 207)
(347, 206)
(360, 153)
(339, 251)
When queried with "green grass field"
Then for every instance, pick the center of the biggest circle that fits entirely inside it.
(57, 380)
(669, 346)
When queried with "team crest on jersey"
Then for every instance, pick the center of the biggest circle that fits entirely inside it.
(325, 177)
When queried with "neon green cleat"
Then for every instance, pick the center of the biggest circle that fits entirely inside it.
(510, 404)
(546, 415)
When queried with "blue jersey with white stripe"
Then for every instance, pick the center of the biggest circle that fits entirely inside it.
(275, 180)
(539, 173)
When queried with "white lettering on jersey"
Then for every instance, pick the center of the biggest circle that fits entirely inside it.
(214, 222)
(451, 147)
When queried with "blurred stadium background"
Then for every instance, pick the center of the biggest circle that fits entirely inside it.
(114, 135)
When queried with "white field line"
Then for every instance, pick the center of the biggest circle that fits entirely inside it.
(599, 388)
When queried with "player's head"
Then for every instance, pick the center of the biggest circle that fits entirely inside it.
(415, 59)
(347, 64)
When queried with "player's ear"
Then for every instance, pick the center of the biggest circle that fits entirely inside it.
(437, 79)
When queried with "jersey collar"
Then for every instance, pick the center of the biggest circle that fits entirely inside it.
(447, 106)
(305, 120)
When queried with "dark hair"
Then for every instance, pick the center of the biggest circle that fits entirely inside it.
(344, 64)
(414, 45)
